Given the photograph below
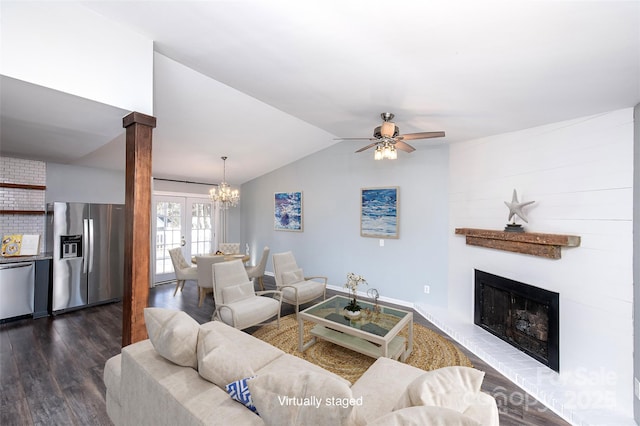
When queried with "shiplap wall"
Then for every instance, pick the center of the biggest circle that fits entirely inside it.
(580, 173)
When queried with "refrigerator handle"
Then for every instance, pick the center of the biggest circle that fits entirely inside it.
(85, 244)
(91, 242)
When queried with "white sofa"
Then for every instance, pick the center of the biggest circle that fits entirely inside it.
(146, 385)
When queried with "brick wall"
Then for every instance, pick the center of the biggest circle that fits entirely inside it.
(15, 170)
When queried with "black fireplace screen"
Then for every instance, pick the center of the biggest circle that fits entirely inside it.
(522, 315)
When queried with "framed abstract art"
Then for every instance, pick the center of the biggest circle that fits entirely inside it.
(379, 212)
(287, 211)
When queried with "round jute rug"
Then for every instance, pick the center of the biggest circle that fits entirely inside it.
(430, 349)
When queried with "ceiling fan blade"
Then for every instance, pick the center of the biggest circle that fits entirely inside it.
(354, 139)
(402, 146)
(367, 147)
(421, 135)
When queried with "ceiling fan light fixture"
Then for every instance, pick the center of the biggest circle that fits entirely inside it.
(377, 155)
(387, 129)
(385, 151)
(393, 154)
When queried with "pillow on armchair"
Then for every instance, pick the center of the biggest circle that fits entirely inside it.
(292, 277)
(235, 293)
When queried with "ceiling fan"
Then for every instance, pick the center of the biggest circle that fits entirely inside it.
(387, 138)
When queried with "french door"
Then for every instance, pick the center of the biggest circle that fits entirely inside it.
(186, 222)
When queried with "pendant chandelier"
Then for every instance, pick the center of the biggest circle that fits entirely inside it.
(224, 195)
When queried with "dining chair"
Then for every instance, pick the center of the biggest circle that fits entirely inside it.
(257, 271)
(183, 270)
(296, 288)
(205, 275)
(229, 248)
(237, 304)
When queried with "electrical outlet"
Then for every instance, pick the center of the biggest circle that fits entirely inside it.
(381, 243)
(427, 289)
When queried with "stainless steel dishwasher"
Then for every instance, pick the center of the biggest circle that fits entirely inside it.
(16, 289)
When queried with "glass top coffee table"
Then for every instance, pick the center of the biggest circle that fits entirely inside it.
(375, 333)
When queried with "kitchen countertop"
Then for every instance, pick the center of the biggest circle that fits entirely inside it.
(14, 259)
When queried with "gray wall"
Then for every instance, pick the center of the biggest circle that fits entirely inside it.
(84, 184)
(331, 244)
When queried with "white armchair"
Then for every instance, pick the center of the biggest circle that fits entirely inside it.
(183, 270)
(296, 288)
(229, 248)
(236, 302)
(205, 275)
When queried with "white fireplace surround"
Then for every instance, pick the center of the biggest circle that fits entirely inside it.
(580, 172)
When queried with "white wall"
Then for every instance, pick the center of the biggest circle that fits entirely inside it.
(84, 184)
(67, 47)
(331, 244)
(580, 173)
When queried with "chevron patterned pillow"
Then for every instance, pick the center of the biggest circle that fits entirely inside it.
(239, 391)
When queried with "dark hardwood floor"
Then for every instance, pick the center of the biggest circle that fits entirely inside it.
(51, 368)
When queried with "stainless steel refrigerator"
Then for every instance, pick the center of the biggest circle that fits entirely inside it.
(87, 245)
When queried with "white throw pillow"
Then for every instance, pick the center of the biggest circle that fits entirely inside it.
(173, 334)
(424, 416)
(292, 277)
(449, 387)
(238, 292)
(293, 397)
(219, 360)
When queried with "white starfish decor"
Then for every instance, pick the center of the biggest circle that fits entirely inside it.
(515, 207)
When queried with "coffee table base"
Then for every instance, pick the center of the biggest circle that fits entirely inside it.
(395, 350)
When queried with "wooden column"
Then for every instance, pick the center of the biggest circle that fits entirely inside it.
(137, 226)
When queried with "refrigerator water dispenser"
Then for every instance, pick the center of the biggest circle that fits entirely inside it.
(70, 246)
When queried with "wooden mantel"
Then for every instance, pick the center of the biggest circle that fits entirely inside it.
(543, 245)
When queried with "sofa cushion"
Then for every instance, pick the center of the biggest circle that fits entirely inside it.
(219, 360)
(293, 397)
(424, 416)
(174, 335)
(449, 387)
(292, 362)
(292, 277)
(257, 352)
(238, 292)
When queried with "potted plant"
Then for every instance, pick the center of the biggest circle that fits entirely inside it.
(352, 310)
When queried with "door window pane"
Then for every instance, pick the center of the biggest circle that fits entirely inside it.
(168, 233)
(201, 228)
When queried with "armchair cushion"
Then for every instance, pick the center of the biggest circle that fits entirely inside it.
(448, 387)
(292, 277)
(238, 292)
(424, 416)
(216, 350)
(280, 399)
(306, 290)
(250, 311)
(173, 334)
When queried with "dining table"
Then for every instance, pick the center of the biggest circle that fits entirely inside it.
(227, 257)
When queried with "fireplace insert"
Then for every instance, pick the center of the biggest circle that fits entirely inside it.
(524, 316)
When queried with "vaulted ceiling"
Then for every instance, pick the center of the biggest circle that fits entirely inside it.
(266, 83)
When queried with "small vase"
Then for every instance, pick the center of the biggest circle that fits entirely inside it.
(351, 314)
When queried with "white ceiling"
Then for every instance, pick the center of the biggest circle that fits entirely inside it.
(266, 83)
